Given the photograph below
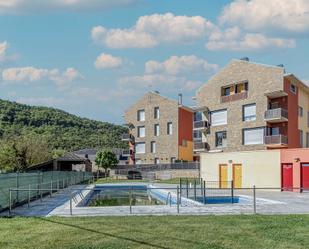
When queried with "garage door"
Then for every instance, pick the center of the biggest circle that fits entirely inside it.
(305, 176)
(287, 177)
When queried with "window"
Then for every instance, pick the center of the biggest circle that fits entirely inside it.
(141, 115)
(173, 159)
(141, 131)
(153, 147)
(218, 117)
(307, 142)
(197, 135)
(300, 111)
(301, 138)
(253, 136)
(226, 91)
(140, 148)
(197, 116)
(169, 128)
(293, 88)
(249, 112)
(221, 140)
(157, 160)
(156, 112)
(156, 130)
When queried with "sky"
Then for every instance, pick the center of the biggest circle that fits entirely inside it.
(95, 58)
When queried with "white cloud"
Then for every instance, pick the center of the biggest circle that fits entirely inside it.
(30, 6)
(289, 15)
(233, 39)
(106, 61)
(3, 52)
(32, 74)
(151, 30)
(179, 65)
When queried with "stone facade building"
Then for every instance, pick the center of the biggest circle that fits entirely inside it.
(160, 130)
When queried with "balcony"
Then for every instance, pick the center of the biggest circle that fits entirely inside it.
(200, 146)
(128, 138)
(200, 125)
(234, 97)
(276, 141)
(276, 115)
(127, 153)
(276, 94)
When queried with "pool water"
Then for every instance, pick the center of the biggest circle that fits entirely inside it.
(122, 196)
(218, 199)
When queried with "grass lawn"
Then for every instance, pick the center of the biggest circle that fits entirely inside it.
(216, 232)
(111, 180)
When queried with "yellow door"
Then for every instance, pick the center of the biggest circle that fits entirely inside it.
(223, 175)
(237, 175)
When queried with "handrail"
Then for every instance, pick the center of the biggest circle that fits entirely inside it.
(169, 198)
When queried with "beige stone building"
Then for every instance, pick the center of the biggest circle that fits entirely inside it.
(160, 130)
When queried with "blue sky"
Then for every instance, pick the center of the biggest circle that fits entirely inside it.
(94, 58)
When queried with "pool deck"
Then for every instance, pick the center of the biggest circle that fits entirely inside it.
(268, 202)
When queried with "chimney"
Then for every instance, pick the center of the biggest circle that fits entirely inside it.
(244, 59)
(180, 99)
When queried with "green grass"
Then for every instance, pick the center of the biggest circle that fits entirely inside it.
(111, 180)
(215, 232)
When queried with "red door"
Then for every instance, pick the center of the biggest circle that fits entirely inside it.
(287, 176)
(305, 176)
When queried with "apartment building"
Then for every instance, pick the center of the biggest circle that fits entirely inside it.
(251, 125)
(160, 130)
(251, 106)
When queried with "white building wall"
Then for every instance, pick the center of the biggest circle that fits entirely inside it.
(260, 168)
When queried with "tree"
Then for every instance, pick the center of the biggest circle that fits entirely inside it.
(106, 159)
(17, 153)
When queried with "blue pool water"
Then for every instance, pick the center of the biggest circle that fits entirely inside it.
(218, 199)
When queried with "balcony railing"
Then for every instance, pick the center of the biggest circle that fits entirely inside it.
(276, 115)
(127, 137)
(276, 140)
(234, 97)
(126, 153)
(201, 146)
(200, 125)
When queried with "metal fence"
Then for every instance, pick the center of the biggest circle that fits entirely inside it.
(35, 182)
(124, 169)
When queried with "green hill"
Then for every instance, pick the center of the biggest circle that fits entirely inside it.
(62, 130)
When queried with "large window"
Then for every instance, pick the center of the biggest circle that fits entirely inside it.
(169, 128)
(153, 147)
(156, 129)
(141, 131)
(307, 142)
(221, 139)
(249, 112)
(293, 88)
(156, 113)
(300, 111)
(301, 138)
(141, 115)
(197, 135)
(253, 136)
(140, 148)
(197, 116)
(218, 117)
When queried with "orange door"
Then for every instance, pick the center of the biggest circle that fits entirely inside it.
(223, 173)
(237, 175)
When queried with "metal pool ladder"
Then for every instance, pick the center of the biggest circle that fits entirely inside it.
(169, 198)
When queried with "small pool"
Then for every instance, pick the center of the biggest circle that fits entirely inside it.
(120, 195)
(218, 199)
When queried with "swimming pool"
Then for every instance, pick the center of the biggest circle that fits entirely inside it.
(125, 195)
(218, 199)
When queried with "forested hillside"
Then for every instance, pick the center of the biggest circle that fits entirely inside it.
(62, 130)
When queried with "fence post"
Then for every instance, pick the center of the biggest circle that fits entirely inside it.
(71, 208)
(204, 194)
(232, 191)
(201, 185)
(254, 200)
(195, 189)
(10, 201)
(187, 187)
(29, 195)
(51, 188)
(130, 200)
(17, 186)
(177, 199)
